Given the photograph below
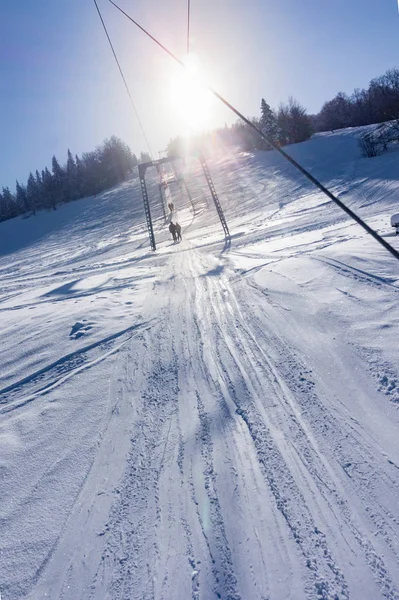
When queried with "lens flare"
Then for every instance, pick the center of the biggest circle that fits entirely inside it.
(189, 98)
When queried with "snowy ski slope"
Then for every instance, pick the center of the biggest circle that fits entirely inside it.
(210, 420)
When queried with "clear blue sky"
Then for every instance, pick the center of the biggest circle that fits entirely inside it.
(60, 88)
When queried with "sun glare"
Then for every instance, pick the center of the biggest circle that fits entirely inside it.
(190, 99)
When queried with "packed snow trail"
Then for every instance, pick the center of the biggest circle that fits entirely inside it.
(200, 423)
(231, 487)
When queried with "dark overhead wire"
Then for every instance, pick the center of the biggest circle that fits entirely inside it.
(123, 78)
(284, 154)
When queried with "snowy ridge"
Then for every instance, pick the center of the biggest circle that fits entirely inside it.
(205, 421)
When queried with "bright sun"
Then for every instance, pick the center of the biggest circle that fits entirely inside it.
(190, 99)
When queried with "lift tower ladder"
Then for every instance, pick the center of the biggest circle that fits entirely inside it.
(214, 196)
(142, 170)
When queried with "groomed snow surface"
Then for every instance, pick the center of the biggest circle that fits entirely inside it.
(209, 421)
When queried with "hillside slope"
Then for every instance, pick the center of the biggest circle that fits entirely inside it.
(210, 420)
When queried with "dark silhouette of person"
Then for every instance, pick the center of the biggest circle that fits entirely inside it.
(172, 229)
(178, 232)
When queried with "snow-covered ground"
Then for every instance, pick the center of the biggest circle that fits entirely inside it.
(211, 420)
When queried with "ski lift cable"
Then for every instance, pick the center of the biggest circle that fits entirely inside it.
(284, 154)
(124, 79)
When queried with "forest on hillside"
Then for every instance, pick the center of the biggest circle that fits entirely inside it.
(290, 123)
(87, 175)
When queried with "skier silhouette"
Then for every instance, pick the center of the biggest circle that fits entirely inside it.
(172, 229)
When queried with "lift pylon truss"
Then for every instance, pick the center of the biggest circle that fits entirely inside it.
(214, 196)
(171, 159)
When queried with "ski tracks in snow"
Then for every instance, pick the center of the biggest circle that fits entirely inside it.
(232, 487)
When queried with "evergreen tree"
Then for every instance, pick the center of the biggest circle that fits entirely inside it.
(268, 122)
(132, 159)
(144, 157)
(40, 203)
(48, 191)
(2, 208)
(71, 178)
(79, 177)
(10, 207)
(92, 181)
(32, 193)
(116, 161)
(21, 198)
(44, 196)
(174, 148)
(58, 181)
